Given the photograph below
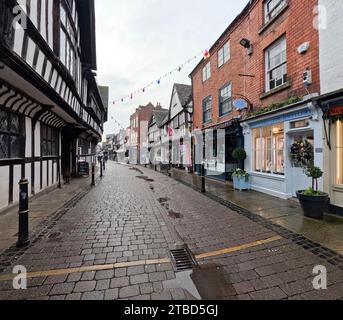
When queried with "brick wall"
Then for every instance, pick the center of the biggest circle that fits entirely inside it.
(296, 21)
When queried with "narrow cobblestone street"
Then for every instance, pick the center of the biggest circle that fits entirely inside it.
(115, 244)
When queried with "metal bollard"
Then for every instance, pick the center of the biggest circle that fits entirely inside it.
(93, 174)
(101, 167)
(104, 165)
(23, 234)
(203, 182)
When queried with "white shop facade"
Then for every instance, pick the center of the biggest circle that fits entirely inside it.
(268, 140)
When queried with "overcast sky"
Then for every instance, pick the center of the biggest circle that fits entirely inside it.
(140, 40)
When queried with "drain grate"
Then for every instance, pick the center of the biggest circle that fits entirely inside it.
(182, 259)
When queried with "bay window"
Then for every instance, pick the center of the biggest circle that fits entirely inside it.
(339, 153)
(269, 149)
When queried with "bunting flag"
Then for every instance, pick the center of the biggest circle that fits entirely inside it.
(205, 54)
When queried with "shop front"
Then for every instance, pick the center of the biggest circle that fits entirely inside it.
(269, 139)
(332, 106)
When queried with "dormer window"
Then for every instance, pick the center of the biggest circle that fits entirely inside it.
(272, 8)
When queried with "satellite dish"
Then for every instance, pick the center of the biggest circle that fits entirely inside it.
(240, 104)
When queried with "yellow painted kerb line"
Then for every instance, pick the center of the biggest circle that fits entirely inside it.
(38, 274)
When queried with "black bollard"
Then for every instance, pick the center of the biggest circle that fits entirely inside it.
(104, 165)
(93, 174)
(23, 234)
(101, 167)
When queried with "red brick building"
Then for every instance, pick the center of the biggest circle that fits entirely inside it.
(261, 58)
(139, 125)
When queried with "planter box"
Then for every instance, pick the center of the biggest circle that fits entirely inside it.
(241, 183)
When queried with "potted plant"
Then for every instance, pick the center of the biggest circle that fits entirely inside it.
(240, 155)
(313, 201)
(241, 180)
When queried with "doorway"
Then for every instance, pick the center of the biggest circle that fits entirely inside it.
(68, 155)
(299, 180)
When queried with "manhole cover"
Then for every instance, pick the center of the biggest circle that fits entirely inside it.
(182, 259)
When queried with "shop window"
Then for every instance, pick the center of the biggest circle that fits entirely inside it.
(269, 150)
(49, 141)
(339, 153)
(207, 109)
(12, 135)
(225, 100)
(276, 65)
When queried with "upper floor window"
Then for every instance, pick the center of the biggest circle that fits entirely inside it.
(272, 8)
(207, 109)
(12, 135)
(68, 42)
(276, 65)
(224, 54)
(49, 141)
(206, 72)
(225, 101)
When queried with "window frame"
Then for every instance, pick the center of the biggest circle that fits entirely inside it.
(269, 15)
(263, 148)
(45, 138)
(338, 172)
(207, 99)
(21, 135)
(222, 58)
(206, 72)
(221, 102)
(269, 70)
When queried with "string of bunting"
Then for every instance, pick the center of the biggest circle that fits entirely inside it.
(206, 55)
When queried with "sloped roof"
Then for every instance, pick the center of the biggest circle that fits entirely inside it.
(161, 117)
(184, 92)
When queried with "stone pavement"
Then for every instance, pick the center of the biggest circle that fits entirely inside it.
(42, 207)
(286, 213)
(115, 242)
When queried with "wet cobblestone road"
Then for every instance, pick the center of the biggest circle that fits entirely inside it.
(132, 224)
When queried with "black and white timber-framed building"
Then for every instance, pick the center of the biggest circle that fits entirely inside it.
(51, 111)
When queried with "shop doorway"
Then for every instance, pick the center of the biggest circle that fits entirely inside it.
(297, 172)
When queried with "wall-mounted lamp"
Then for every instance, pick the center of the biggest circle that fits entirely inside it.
(247, 44)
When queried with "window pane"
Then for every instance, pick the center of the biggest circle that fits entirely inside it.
(14, 124)
(3, 120)
(63, 47)
(16, 147)
(4, 151)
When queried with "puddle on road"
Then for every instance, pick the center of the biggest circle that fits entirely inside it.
(145, 178)
(175, 215)
(138, 170)
(207, 282)
(163, 200)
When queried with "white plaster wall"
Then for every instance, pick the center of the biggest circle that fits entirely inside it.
(44, 174)
(28, 175)
(37, 140)
(37, 177)
(16, 179)
(175, 107)
(4, 174)
(331, 46)
(28, 126)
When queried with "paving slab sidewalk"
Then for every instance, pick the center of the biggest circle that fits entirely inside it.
(41, 207)
(286, 213)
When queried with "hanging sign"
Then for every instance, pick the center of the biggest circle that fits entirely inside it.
(240, 104)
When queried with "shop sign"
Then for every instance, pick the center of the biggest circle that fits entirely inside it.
(336, 111)
(240, 104)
